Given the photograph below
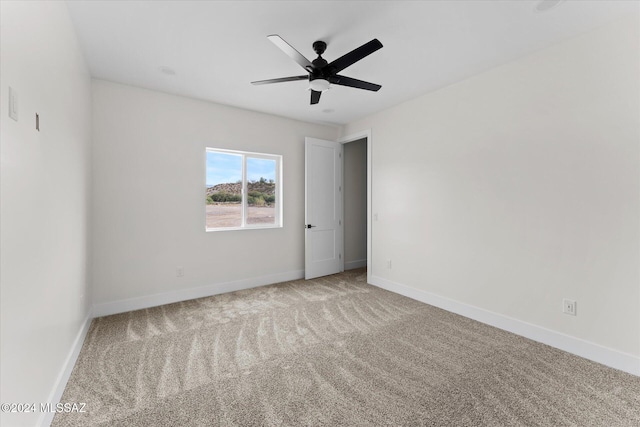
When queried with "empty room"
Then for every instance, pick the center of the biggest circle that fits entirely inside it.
(320, 213)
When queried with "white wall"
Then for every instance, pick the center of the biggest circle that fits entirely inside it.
(44, 211)
(520, 187)
(355, 204)
(149, 182)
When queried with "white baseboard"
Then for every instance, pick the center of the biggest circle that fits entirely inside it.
(63, 377)
(355, 264)
(589, 350)
(130, 304)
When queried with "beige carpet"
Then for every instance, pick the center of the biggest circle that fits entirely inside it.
(332, 351)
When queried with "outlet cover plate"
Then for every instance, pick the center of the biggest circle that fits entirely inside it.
(569, 307)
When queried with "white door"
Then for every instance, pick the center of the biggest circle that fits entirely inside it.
(323, 208)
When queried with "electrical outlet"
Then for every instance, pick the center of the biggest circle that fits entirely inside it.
(179, 271)
(569, 307)
(389, 264)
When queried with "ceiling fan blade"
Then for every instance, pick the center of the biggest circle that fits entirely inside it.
(291, 52)
(348, 81)
(315, 97)
(355, 55)
(280, 80)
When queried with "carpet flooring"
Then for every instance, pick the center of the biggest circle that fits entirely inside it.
(332, 351)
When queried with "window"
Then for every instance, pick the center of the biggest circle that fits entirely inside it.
(244, 190)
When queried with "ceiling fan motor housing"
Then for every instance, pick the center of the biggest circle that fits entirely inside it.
(320, 69)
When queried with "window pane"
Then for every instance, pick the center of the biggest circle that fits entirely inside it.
(261, 186)
(224, 190)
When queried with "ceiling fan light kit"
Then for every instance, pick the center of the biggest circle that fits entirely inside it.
(322, 74)
(319, 85)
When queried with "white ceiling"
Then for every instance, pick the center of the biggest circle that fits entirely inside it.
(218, 47)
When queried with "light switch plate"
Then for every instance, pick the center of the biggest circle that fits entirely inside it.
(13, 104)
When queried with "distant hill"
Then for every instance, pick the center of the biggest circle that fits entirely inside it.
(235, 188)
(224, 188)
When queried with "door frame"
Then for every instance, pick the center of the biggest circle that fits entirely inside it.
(344, 140)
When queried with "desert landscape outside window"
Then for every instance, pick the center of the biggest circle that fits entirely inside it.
(243, 190)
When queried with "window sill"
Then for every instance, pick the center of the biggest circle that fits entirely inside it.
(260, 227)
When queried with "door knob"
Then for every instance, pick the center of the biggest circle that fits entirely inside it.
(309, 226)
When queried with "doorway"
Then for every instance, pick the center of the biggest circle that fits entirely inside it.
(368, 142)
(355, 203)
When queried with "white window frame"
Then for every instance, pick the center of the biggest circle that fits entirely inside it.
(278, 191)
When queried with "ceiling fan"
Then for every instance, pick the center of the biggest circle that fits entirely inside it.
(322, 73)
